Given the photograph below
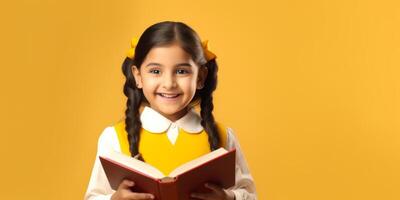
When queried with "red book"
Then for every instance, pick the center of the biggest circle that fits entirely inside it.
(216, 167)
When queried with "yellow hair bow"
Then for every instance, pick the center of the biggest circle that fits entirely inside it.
(131, 51)
(207, 53)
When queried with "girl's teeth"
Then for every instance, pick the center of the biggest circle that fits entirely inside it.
(169, 96)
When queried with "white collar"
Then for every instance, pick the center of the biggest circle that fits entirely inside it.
(155, 122)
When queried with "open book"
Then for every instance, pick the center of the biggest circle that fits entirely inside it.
(217, 167)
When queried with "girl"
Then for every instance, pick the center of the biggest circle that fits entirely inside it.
(169, 71)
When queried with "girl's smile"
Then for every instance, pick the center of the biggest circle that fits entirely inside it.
(169, 79)
(169, 97)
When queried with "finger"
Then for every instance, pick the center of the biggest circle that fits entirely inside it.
(201, 195)
(216, 188)
(137, 156)
(140, 196)
(126, 184)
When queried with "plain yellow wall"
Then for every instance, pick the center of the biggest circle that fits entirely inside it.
(311, 88)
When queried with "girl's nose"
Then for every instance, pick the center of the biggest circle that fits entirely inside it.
(169, 81)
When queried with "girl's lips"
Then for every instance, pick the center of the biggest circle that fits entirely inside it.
(168, 96)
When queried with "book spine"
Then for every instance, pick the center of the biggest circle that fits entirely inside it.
(168, 190)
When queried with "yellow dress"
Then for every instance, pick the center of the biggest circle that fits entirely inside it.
(158, 151)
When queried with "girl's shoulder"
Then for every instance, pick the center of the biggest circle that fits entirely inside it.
(223, 131)
(108, 140)
(227, 135)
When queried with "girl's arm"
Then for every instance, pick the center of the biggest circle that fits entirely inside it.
(244, 188)
(99, 188)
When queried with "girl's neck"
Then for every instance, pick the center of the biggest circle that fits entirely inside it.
(174, 117)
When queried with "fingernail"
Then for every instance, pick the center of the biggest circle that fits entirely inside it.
(151, 196)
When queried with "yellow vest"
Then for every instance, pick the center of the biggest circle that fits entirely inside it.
(157, 150)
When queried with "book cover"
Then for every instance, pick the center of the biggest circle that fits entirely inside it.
(217, 167)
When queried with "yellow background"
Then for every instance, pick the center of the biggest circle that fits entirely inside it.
(311, 88)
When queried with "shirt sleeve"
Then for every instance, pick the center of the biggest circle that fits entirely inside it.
(244, 188)
(99, 187)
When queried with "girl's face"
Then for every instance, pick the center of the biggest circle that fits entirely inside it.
(169, 78)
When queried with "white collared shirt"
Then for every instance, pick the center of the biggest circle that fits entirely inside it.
(190, 123)
(99, 188)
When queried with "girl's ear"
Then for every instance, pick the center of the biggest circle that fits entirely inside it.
(138, 77)
(203, 71)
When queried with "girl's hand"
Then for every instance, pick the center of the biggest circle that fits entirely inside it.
(124, 192)
(218, 193)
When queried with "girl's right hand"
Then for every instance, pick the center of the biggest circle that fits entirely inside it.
(124, 192)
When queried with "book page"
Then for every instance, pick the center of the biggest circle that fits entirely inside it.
(198, 161)
(135, 164)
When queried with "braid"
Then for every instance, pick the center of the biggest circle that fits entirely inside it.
(207, 106)
(132, 119)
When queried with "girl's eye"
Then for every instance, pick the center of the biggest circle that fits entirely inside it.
(182, 71)
(156, 71)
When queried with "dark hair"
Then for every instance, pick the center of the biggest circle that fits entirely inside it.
(164, 33)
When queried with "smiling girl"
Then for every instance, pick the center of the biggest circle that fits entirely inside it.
(169, 72)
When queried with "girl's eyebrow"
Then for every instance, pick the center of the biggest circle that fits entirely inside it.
(177, 65)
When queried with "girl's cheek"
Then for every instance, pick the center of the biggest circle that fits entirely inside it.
(151, 81)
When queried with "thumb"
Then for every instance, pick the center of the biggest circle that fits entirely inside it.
(126, 184)
(137, 156)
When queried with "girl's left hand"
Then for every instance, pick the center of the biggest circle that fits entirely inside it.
(217, 193)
